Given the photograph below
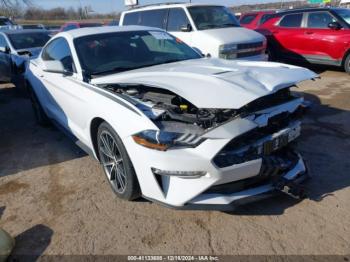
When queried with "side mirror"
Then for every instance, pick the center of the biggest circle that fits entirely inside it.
(334, 26)
(55, 66)
(186, 28)
(5, 49)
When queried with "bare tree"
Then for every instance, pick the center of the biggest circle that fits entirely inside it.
(12, 8)
(14, 3)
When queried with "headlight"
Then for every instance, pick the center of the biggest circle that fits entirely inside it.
(162, 140)
(227, 50)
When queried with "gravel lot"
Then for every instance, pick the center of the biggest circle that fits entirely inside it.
(55, 200)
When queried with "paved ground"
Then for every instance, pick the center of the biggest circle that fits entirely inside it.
(55, 199)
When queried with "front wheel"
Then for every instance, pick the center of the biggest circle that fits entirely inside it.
(116, 163)
(347, 64)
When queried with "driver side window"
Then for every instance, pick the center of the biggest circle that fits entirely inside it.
(59, 50)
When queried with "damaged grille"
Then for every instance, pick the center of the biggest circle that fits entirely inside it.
(228, 157)
(272, 168)
(277, 98)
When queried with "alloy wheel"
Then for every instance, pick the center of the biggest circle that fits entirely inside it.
(112, 161)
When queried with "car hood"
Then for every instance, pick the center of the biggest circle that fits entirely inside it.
(232, 35)
(214, 83)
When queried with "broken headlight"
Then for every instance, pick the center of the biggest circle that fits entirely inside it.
(163, 140)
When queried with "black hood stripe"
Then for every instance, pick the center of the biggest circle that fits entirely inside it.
(110, 96)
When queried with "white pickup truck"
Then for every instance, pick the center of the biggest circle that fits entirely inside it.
(211, 29)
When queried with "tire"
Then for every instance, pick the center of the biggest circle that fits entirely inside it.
(40, 115)
(347, 64)
(116, 163)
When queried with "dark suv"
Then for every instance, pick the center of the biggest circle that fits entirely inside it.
(314, 35)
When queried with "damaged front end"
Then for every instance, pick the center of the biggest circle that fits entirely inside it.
(274, 124)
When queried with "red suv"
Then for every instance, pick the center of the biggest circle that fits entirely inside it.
(314, 35)
(253, 20)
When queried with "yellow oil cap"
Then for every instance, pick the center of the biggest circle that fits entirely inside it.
(183, 107)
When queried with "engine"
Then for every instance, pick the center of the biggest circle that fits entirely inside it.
(167, 109)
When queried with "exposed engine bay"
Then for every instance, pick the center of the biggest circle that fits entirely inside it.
(172, 112)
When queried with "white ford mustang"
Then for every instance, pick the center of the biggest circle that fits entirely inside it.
(167, 124)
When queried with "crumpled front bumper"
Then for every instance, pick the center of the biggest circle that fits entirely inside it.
(297, 175)
(197, 193)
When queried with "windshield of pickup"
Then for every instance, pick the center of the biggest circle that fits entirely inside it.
(211, 17)
(28, 40)
(108, 53)
(345, 14)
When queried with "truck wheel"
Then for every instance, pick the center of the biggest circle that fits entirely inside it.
(116, 163)
(39, 112)
(347, 64)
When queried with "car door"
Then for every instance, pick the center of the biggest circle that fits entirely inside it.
(289, 35)
(64, 93)
(322, 43)
(5, 61)
(176, 22)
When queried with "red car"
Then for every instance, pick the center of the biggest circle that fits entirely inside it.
(74, 25)
(253, 20)
(313, 35)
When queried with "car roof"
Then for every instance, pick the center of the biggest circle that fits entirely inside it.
(308, 9)
(76, 33)
(260, 12)
(166, 5)
(22, 31)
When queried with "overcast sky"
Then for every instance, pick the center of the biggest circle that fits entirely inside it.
(106, 6)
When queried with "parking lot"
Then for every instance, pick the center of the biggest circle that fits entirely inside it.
(55, 199)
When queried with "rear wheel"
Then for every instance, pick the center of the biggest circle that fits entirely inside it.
(347, 64)
(116, 163)
(39, 112)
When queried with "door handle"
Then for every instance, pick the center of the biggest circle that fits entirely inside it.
(41, 76)
(309, 33)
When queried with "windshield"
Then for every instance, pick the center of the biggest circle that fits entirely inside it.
(211, 17)
(28, 40)
(5, 22)
(103, 54)
(345, 14)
